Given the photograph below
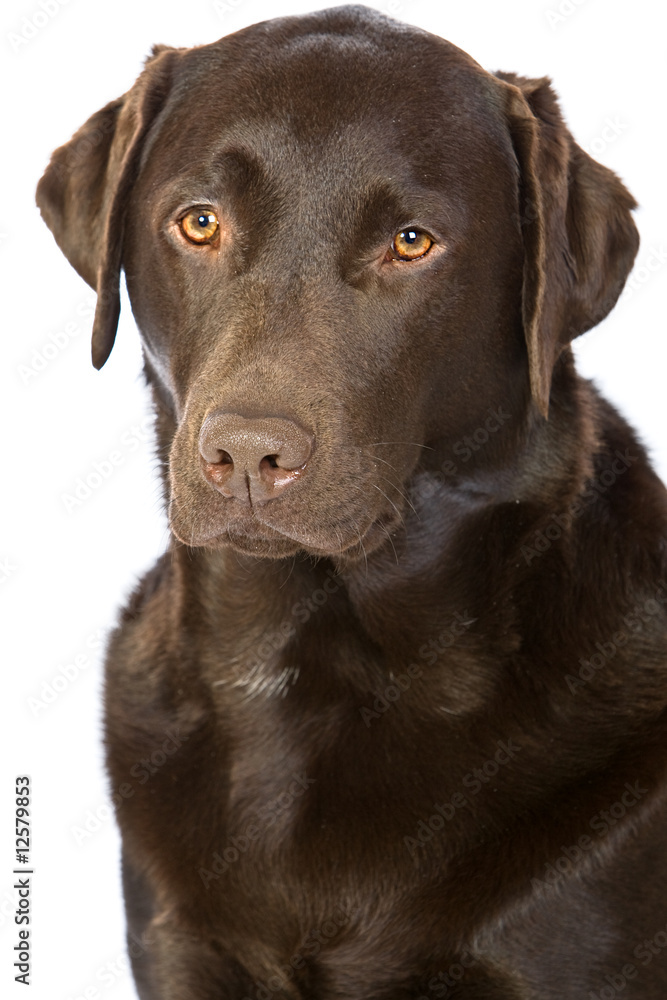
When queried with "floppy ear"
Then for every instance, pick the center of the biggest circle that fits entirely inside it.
(579, 237)
(84, 190)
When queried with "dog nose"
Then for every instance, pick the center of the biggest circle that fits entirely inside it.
(252, 458)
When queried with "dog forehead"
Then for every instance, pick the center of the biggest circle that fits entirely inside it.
(349, 95)
(316, 73)
(345, 34)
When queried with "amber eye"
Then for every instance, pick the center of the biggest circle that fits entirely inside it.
(199, 225)
(410, 244)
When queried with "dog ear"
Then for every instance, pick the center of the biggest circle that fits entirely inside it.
(579, 237)
(84, 190)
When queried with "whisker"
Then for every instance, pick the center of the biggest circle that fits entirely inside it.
(363, 549)
(291, 570)
(391, 541)
(236, 554)
(400, 492)
(385, 462)
(415, 444)
(174, 501)
(389, 501)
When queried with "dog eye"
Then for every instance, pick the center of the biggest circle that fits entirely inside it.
(410, 244)
(199, 225)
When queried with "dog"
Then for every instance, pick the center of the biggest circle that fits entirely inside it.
(387, 720)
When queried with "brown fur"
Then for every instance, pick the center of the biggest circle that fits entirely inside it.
(466, 585)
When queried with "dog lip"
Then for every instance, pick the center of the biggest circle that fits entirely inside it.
(256, 529)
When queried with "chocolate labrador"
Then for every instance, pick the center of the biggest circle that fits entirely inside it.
(388, 718)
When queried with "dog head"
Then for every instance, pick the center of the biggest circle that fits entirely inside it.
(344, 244)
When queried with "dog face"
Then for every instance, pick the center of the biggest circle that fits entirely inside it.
(344, 242)
(301, 312)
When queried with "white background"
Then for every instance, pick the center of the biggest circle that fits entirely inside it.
(63, 574)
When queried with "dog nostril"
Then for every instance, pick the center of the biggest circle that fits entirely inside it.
(252, 457)
(216, 456)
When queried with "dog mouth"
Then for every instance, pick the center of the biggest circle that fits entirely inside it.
(248, 532)
(266, 486)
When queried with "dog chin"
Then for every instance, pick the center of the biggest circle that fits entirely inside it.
(269, 543)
